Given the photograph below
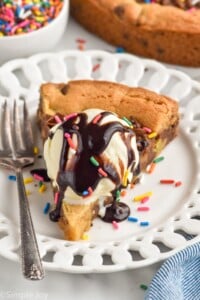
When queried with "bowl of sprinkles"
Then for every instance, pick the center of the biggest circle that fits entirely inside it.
(31, 26)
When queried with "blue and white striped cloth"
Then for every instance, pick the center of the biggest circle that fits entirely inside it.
(178, 278)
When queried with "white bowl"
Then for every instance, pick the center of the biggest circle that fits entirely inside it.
(43, 39)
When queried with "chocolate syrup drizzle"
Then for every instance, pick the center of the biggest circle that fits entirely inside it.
(79, 173)
(117, 211)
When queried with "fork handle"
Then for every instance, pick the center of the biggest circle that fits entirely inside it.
(31, 261)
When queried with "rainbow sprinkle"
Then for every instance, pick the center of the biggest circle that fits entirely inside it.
(152, 135)
(123, 193)
(151, 168)
(56, 198)
(144, 223)
(142, 196)
(117, 195)
(38, 177)
(158, 159)
(128, 121)
(70, 142)
(80, 40)
(42, 188)
(115, 225)
(166, 181)
(85, 237)
(28, 192)
(57, 119)
(132, 219)
(46, 208)
(96, 119)
(178, 183)
(40, 183)
(143, 287)
(24, 16)
(12, 177)
(95, 67)
(85, 193)
(125, 178)
(102, 172)
(28, 180)
(143, 208)
(120, 50)
(147, 129)
(80, 44)
(70, 116)
(144, 200)
(35, 150)
(81, 47)
(94, 161)
(90, 190)
(192, 9)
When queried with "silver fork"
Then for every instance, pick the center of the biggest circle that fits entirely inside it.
(16, 153)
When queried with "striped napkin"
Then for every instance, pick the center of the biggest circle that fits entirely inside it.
(178, 278)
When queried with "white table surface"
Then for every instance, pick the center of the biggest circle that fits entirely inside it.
(121, 285)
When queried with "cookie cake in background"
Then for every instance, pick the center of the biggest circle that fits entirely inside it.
(168, 31)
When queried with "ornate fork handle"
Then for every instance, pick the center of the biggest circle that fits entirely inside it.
(31, 262)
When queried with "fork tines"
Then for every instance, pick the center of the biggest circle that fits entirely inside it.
(16, 131)
(6, 138)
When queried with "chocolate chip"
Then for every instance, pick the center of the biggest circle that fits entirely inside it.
(145, 143)
(126, 36)
(119, 11)
(142, 144)
(134, 122)
(64, 90)
(144, 42)
(160, 50)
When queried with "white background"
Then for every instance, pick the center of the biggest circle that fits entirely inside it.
(121, 285)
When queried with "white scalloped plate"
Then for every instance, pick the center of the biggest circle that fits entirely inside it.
(174, 211)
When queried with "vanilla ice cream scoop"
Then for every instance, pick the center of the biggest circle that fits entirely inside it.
(89, 155)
